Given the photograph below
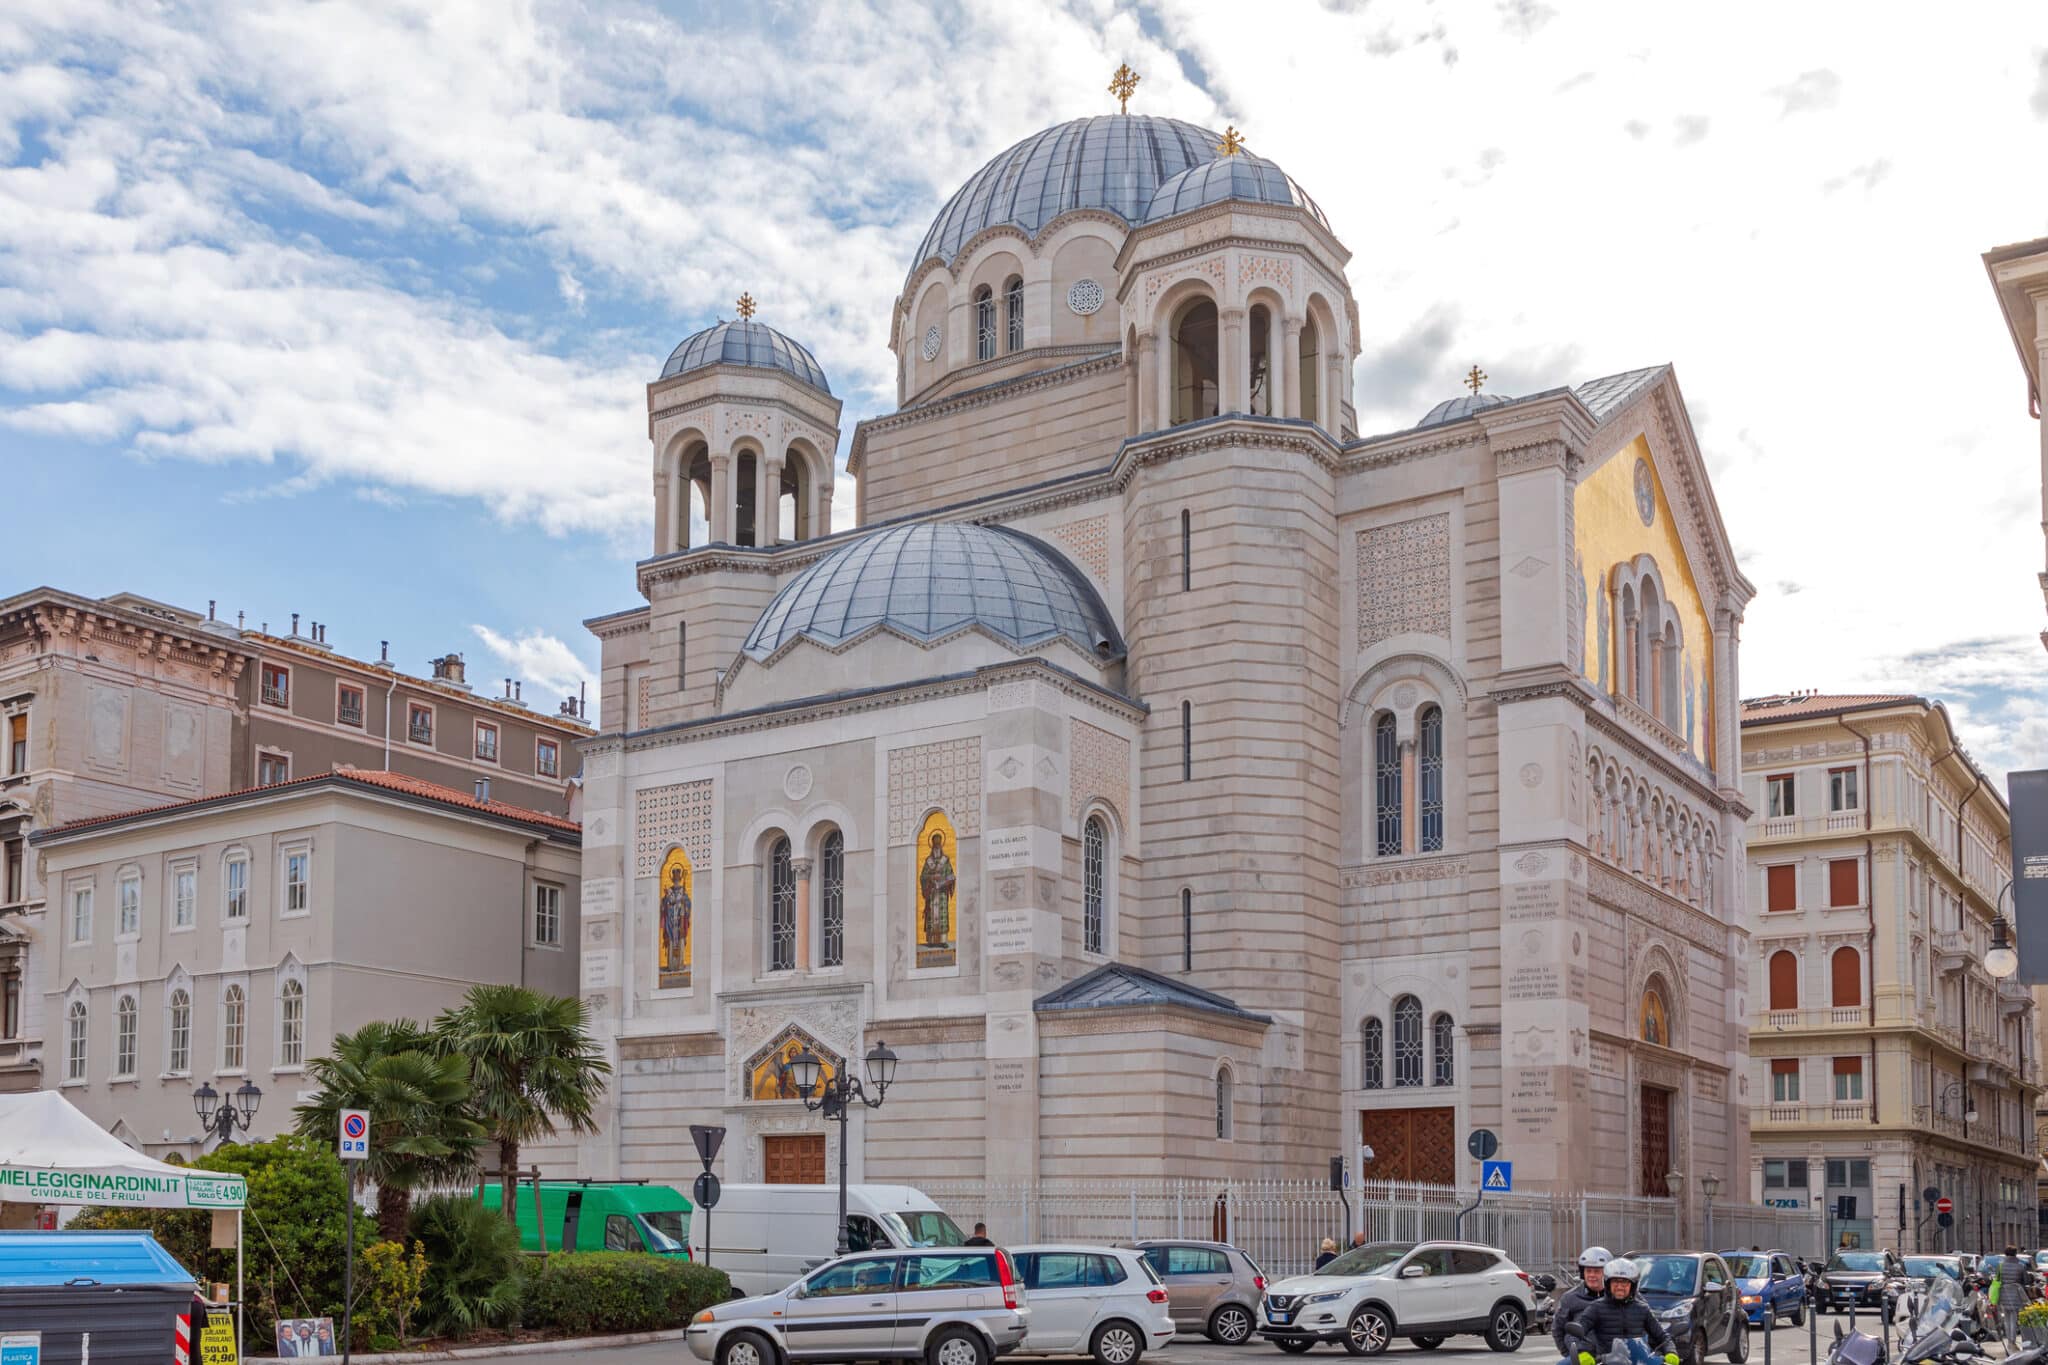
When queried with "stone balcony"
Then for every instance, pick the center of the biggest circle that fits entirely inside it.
(1828, 1115)
(1794, 826)
(1813, 1020)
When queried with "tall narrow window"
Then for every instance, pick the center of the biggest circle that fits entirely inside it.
(235, 882)
(1407, 1041)
(1187, 550)
(234, 1029)
(984, 324)
(1187, 929)
(128, 905)
(1372, 1043)
(1842, 789)
(1013, 313)
(291, 1025)
(1784, 980)
(547, 915)
(17, 743)
(1187, 741)
(1226, 1118)
(1848, 1079)
(124, 1037)
(17, 868)
(81, 914)
(10, 1004)
(486, 742)
(1845, 978)
(832, 900)
(178, 1058)
(547, 758)
(1429, 780)
(1094, 839)
(1784, 1080)
(184, 897)
(1443, 1061)
(74, 1041)
(682, 654)
(348, 706)
(298, 882)
(781, 909)
(1386, 767)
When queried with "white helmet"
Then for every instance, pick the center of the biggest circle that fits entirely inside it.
(1593, 1258)
(1621, 1268)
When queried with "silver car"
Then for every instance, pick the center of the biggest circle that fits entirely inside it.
(1215, 1288)
(945, 1306)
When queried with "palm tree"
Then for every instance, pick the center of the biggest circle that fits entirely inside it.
(532, 1063)
(421, 1130)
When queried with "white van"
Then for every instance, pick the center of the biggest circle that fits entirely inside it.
(767, 1236)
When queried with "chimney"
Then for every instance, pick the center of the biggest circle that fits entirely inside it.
(209, 608)
(295, 623)
(483, 789)
(383, 651)
(519, 693)
(241, 618)
(449, 669)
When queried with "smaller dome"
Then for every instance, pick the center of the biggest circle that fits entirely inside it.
(1251, 179)
(1459, 408)
(745, 343)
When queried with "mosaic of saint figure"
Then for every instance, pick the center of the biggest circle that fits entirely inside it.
(673, 966)
(768, 1075)
(937, 891)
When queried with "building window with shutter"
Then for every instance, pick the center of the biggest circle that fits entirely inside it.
(1784, 983)
(17, 743)
(1784, 1080)
(1781, 887)
(1843, 889)
(1848, 1079)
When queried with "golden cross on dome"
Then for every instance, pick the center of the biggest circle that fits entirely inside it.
(1233, 142)
(1121, 85)
(1475, 379)
(745, 305)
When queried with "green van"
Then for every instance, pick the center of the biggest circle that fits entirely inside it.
(600, 1215)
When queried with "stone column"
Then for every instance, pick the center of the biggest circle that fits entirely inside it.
(1233, 364)
(664, 515)
(801, 867)
(821, 519)
(1275, 338)
(768, 501)
(721, 499)
(1148, 381)
(1166, 379)
(1290, 370)
(1333, 392)
(678, 510)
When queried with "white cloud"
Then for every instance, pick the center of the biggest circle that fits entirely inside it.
(548, 667)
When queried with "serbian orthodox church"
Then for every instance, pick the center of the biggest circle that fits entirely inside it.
(1181, 782)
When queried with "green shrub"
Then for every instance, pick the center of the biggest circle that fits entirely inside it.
(473, 1265)
(620, 1291)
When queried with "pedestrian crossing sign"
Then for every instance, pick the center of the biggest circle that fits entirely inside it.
(1497, 1177)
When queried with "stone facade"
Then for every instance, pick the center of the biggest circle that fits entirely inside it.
(1885, 1060)
(1342, 828)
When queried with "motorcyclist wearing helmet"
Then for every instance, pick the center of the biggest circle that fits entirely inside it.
(1592, 1280)
(1617, 1315)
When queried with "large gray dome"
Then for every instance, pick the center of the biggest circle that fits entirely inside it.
(929, 579)
(745, 343)
(1111, 162)
(1243, 176)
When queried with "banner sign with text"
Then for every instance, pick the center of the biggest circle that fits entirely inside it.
(57, 1185)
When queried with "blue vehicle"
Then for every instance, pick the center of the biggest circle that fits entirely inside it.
(1769, 1284)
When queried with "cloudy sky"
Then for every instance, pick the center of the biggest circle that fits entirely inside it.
(349, 310)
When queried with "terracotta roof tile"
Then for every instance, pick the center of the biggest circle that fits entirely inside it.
(1801, 705)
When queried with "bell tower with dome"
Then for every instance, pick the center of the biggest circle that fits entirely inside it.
(1183, 785)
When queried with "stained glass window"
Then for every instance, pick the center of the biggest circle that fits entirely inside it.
(1224, 1117)
(832, 900)
(1442, 1054)
(1429, 778)
(1407, 1041)
(1094, 839)
(781, 909)
(1386, 760)
(1372, 1043)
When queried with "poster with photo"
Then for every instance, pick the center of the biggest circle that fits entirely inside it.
(305, 1337)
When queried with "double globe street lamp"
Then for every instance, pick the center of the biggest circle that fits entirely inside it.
(221, 1115)
(835, 1094)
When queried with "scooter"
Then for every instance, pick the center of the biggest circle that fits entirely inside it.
(1545, 1292)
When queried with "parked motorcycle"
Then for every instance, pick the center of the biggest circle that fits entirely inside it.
(1544, 1289)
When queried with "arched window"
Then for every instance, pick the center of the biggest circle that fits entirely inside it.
(1187, 929)
(832, 900)
(1013, 313)
(1194, 363)
(746, 512)
(1443, 1061)
(1259, 336)
(781, 908)
(234, 1029)
(984, 324)
(1845, 969)
(1656, 1015)
(1407, 1041)
(1625, 642)
(124, 1036)
(1784, 980)
(1386, 768)
(178, 1055)
(1429, 780)
(74, 1041)
(1094, 850)
(1187, 741)
(1226, 1119)
(1668, 671)
(1372, 1046)
(1187, 550)
(291, 1024)
(1648, 632)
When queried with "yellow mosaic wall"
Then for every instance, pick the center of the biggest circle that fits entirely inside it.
(1610, 531)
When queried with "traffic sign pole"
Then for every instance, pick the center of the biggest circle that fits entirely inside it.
(352, 1145)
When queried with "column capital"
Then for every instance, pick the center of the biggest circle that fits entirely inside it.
(721, 459)
(801, 868)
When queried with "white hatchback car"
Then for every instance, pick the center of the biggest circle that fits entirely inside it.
(1424, 1291)
(1101, 1301)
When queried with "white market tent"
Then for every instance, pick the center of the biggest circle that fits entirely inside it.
(52, 1153)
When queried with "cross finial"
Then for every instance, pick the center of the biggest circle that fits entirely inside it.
(745, 305)
(1233, 142)
(1475, 379)
(1121, 85)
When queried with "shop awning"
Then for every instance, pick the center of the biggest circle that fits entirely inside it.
(51, 1153)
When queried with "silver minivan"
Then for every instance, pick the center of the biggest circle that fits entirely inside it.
(941, 1305)
(1215, 1288)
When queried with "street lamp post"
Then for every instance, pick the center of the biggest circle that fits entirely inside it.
(1710, 1185)
(2000, 960)
(220, 1115)
(835, 1098)
(1958, 1090)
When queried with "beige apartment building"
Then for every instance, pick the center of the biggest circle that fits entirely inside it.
(1181, 782)
(1885, 1060)
(2019, 276)
(227, 939)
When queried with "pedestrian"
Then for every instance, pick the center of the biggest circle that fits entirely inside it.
(980, 1237)
(1357, 1239)
(2010, 1292)
(1327, 1254)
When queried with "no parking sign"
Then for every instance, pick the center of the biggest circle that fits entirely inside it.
(355, 1135)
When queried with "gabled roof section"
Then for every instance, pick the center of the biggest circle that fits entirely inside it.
(1118, 985)
(1806, 705)
(1605, 396)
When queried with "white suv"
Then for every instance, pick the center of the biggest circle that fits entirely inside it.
(1422, 1291)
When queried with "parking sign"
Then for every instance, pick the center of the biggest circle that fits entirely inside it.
(355, 1135)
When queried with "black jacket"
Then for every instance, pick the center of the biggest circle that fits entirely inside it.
(1569, 1304)
(1324, 1258)
(1606, 1320)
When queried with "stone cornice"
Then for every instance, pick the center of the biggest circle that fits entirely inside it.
(1379, 452)
(656, 415)
(1548, 452)
(1654, 907)
(979, 397)
(619, 624)
(1129, 268)
(1229, 430)
(1080, 350)
(51, 615)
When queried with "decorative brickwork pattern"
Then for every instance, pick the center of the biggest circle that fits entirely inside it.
(679, 814)
(1275, 270)
(1099, 766)
(1087, 541)
(643, 708)
(1404, 579)
(946, 775)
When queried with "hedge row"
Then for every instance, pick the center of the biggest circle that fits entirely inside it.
(618, 1291)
